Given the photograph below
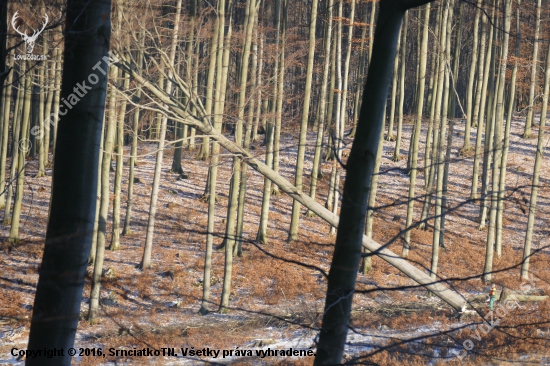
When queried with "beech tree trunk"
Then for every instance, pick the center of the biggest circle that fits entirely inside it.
(61, 277)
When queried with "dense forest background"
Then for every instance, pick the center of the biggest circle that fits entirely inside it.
(223, 137)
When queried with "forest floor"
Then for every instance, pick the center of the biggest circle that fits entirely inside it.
(278, 288)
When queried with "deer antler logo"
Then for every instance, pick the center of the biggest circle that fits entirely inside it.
(29, 40)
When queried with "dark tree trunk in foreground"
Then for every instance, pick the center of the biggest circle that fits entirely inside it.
(347, 251)
(71, 220)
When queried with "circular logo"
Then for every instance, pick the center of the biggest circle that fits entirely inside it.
(25, 145)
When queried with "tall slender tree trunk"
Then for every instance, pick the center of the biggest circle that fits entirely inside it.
(441, 115)
(146, 259)
(539, 155)
(213, 171)
(115, 237)
(506, 143)
(397, 150)
(21, 144)
(315, 172)
(6, 108)
(478, 119)
(133, 150)
(302, 139)
(534, 64)
(470, 89)
(93, 311)
(418, 127)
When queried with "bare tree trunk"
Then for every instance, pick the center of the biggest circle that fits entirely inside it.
(497, 146)
(418, 128)
(104, 207)
(146, 259)
(6, 108)
(20, 144)
(478, 119)
(506, 144)
(470, 91)
(302, 139)
(441, 115)
(539, 155)
(133, 150)
(115, 237)
(315, 172)
(70, 225)
(397, 150)
(530, 115)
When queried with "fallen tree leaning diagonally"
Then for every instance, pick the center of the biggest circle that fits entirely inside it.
(178, 110)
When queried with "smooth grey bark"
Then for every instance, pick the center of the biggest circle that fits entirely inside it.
(534, 64)
(21, 145)
(233, 201)
(146, 259)
(478, 120)
(16, 128)
(506, 143)
(441, 115)
(115, 236)
(93, 246)
(213, 171)
(490, 122)
(369, 221)
(302, 139)
(497, 145)
(93, 310)
(42, 154)
(470, 88)
(133, 150)
(6, 108)
(315, 172)
(360, 73)
(279, 101)
(418, 128)
(397, 150)
(70, 224)
(214, 55)
(539, 155)
(230, 239)
(336, 131)
(393, 100)
(247, 137)
(262, 234)
(57, 95)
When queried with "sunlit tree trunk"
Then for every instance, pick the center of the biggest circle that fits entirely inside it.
(539, 155)
(20, 144)
(534, 64)
(397, 150)
(478, 119)
(418, 126)
(104, 206)
(302, 139)
(441, 118)
(506, 143)
(133, 150)
(222, 62)
(115, 237)
(315, 172)
(146, 259)
(6, 108)
(470, 89)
